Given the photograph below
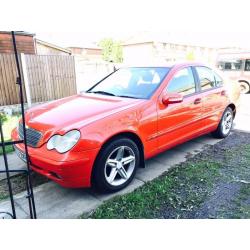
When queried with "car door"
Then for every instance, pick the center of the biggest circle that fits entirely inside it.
(179, 122)
(213, 95)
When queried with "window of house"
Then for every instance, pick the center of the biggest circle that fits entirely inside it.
(247, 65)
(234, 65)
(182, 82)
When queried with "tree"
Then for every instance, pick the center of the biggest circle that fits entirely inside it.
(190, 56)
(111, 50)
(3, 117)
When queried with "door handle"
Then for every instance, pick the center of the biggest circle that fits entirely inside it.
(197, 101)
(223, 93)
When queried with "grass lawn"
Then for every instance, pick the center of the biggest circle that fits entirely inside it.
(166, 191)
(8, 126)
(8, 149)
(213, 184)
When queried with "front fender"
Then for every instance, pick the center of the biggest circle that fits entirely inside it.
(96, 134)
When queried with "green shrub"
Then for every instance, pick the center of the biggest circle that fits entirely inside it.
(3, 117)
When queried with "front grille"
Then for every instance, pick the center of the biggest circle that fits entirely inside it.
(33, 136)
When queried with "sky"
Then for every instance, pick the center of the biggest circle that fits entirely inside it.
(210, 39)
(80, 22)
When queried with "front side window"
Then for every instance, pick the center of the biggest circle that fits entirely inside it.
(247, 65)
(206, 77)
(136, 82)
(182, 82)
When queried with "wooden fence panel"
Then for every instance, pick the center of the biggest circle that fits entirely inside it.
(50, 77)
(9, 93)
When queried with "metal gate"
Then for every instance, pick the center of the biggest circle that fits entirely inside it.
(3, 144)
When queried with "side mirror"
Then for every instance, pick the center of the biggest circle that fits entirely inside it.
(172, 98)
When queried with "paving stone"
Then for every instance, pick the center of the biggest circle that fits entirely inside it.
(170, 157)
(152, 170)
(5, 206)
(53, 201)
(242, 123)
(13, 162)
(190, 147)
(206, 140)
(131, 187)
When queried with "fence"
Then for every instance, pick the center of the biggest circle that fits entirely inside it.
(8, 88)
(46, 77)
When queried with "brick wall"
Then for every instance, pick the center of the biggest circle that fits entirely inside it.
(25, 43)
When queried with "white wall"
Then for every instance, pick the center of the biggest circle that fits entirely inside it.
(138, 53)
(88, 73)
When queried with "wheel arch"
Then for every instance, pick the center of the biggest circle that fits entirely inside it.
(134, 137)
(245, 82)
(233, 107)
(131, 135)
(242, 80)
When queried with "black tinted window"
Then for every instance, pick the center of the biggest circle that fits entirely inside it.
(247, 65)
(182, 82)
(230, 65)
(206, 77)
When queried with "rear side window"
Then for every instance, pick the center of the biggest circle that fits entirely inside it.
(218, 80)
(182, 82)
(206, 77)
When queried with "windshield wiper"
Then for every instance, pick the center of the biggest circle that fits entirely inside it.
(127, 96)
(110, 94)
(101, 92)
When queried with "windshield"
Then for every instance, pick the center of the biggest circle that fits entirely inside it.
(131, 82)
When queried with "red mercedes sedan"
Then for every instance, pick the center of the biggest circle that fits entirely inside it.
(100, 137)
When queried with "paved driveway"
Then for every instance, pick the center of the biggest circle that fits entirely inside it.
(242, 121)
(53, 201)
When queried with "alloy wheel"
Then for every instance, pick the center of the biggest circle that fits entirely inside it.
(119, 165)
(227, 122)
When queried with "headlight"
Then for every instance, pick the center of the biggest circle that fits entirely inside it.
(63, 143)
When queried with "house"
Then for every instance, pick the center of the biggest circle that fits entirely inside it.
(45, 48)
(90, 52)
(229, 50)
(148, 48)
(27, 43)
(24, 41)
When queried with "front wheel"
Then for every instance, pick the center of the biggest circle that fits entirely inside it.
(116, 165)
(225, 125)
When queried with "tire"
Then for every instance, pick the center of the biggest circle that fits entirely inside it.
(225, 122)
(244, 87)
(119, 155)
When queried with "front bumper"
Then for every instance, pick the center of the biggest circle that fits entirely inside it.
(72, 169)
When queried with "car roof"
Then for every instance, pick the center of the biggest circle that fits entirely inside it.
(164, 65)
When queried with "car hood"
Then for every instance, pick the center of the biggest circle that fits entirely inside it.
(75, 112)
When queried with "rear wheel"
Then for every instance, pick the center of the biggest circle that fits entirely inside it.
(116, 165)
(225, 125)
(244, 87)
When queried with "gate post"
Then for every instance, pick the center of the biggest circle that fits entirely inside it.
(26, 80)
